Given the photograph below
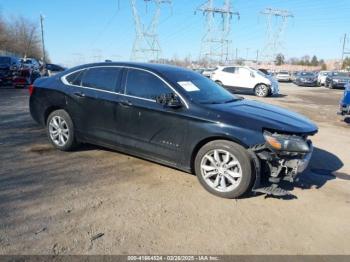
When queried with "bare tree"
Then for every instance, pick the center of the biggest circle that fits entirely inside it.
(20, 36)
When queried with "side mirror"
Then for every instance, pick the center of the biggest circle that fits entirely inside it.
(169, 100)
(252, 74)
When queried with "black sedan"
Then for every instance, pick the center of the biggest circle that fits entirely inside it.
(306, 79)
(178, 118)
(337, 80)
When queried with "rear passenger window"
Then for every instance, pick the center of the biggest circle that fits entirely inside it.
(145, 85)
(75, 78)
(229, 70)
(103, 78)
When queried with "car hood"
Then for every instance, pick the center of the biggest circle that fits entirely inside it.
(264, 116)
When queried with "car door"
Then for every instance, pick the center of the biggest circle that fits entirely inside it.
(228, 75)
(94, 98)
(146, 126)
(245, 79)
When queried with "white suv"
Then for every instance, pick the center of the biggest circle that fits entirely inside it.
(243, 78)
(321, 79)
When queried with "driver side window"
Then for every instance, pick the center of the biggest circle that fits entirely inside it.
(144, 85)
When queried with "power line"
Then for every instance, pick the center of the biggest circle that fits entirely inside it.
(216, 42)
(274, 33)
(146, 45)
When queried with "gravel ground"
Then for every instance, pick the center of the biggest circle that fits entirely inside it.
(97, 201)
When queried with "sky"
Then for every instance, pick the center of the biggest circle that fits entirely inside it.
(81, 31)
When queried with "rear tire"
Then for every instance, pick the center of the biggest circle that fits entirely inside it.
(224, 169)
(60, 130)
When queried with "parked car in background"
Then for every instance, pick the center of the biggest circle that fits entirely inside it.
(345, 102)
(30, 63)
(25, 77)
(246, 79)
(9, 66)
(22, 79)
(208, 72)
(199, 70)
(321, 78)
(175, 117)
(337, 80)
(306, 79)
(52, 69)
(283, 76)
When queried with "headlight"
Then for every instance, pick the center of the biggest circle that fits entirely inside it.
(287, 143)
(302, 79)
(336, 80)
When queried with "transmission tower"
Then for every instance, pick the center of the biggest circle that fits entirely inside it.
(215, 44)
(146, 45)
(275, 31)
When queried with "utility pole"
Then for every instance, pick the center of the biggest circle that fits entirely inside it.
(42, 38)
(146, 45)
(257, 56)
(246, 58)
(344, 51)
(215, 44)
(274, 33)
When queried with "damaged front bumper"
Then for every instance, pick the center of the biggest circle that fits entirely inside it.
(274, 167)
(300, 165)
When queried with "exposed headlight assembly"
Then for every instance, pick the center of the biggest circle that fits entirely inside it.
(287, 143)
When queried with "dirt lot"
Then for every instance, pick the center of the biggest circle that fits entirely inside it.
(54, 203)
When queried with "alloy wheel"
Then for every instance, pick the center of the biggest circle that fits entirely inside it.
(59, 131)
(261, 90)
(221, 170)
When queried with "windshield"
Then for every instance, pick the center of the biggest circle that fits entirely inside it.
(307, 74)
(201, 89)
(283, 73)
(341, 74)
(258, 72)
(5, 60)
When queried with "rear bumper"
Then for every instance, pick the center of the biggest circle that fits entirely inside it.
(284, 79)
(307, 83)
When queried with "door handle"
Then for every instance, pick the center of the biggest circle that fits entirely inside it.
(79, 94)
(126, 103)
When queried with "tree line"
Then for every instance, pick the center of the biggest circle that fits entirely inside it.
(303, 61)
(20, 36)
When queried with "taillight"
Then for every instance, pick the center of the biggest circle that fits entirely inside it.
(31, 89)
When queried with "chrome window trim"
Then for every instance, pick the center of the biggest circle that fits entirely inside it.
(65, 82)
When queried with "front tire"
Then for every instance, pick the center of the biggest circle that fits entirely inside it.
(262, 90)
(60, 130)
(224, 169)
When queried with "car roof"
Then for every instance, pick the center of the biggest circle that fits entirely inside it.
(158, 68)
